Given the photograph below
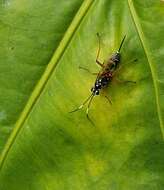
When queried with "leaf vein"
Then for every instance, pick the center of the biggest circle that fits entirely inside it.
(45, 77)
(147, 54)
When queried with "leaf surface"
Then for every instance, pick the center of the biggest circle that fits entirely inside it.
(30, 31)
(51, 148)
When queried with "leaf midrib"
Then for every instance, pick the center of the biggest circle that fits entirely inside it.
(147, 54)
(45, 77)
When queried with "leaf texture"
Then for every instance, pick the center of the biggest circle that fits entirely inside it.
(53, 149)
(30, 31)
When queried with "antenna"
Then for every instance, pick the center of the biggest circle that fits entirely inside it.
(89, 100)
(82, 105)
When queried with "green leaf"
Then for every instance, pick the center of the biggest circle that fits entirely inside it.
(30, 31)
(51, 148)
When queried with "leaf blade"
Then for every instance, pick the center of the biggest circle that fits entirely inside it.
(55, 148)
(29, 32)
(150, 61)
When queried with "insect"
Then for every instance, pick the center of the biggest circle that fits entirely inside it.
(104, 77)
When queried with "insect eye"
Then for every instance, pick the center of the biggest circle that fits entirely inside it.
(97, 92)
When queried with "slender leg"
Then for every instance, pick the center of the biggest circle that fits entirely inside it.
(125, 81)
(98, 52)
(122, 66)
(131, 61)
(87, 70)
(109, 99)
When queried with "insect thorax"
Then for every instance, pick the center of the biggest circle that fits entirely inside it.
(101, 82)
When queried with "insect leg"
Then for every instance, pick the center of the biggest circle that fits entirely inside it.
(82, 105)
(122, 66)
(125, 81)
(87, 70)
(98, 52)
(109, 99)
(131, 61)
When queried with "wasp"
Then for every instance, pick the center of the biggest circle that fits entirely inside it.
(104, 77)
